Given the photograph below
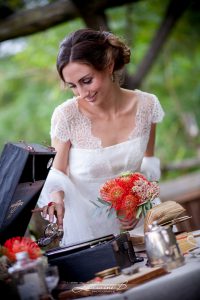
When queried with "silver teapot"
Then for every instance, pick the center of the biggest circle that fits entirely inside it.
(162, 248)
(51, 233)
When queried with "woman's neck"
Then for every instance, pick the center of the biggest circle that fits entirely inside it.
(116, 102)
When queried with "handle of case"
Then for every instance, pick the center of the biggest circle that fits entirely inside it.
(27, 146)
(131, 253)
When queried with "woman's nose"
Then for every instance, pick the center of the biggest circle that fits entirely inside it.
(82, 92)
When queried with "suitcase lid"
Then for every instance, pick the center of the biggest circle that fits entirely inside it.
(23, 171)
(78, 247)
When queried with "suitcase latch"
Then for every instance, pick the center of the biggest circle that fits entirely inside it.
(115, 246)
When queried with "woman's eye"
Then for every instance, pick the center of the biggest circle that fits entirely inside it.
(71, 86)
(87, 81)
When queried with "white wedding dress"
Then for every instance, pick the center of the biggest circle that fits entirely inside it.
(90, 165)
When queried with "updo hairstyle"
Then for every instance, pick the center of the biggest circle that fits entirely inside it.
(95, 48)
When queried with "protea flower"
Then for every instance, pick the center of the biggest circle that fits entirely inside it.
(19, 244)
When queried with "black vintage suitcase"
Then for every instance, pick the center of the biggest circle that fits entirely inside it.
(80, 262)
(23, 171)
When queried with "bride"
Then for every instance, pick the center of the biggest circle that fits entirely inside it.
(102, 131)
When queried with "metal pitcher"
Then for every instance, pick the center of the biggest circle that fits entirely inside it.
(162, 248)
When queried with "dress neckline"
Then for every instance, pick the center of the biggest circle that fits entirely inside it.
(131, 136)
(107, 148)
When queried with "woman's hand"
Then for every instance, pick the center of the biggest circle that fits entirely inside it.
(127, 223)
(54, 208)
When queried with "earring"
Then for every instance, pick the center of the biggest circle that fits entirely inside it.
(112, 78)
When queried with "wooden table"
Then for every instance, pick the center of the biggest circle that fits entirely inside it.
(182, 283)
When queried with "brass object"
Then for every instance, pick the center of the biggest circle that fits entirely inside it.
(108, 272)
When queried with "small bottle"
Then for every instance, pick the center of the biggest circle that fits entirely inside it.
(28, 276)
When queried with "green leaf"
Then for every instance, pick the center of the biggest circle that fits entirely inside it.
(103, 202)
(110, 212)
(125, 174)
(143, 210)
(147, 206)
(139, 211)
(150, 205)
(95, 204)
(121, 217)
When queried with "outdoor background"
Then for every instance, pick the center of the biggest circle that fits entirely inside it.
(30, 88)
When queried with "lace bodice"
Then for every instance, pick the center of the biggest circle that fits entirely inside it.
(68, 123)
(90, 165)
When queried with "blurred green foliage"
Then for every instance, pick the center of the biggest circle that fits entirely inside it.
(31, 89)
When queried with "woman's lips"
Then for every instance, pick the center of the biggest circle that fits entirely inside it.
(91, 98)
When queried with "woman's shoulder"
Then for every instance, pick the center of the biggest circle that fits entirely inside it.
(146, 96)
(151, 105)
(62, 117)
(66, 105)
(67, 108)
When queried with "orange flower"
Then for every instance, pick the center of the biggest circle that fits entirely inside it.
(126, 192)
(129, 206)
(19, 244)
(105, 190)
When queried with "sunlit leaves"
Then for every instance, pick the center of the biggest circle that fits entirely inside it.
(30, 87)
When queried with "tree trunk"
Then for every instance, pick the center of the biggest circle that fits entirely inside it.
(173, 13)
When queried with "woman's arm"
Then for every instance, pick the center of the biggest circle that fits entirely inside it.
(150, 166)
(57, 198)
(149, 155)
(151, 143)
(62, 155)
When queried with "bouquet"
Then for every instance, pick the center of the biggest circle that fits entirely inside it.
(129, 195)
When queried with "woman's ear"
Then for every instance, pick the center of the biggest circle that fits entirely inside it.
(111, 68)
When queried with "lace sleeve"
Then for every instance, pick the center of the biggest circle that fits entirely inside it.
(158, 112)
(59, 126)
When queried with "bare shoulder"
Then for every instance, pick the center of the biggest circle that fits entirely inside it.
(130, 98)
(145, 96)
(129, 95)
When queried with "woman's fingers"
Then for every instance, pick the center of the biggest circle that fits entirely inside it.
(128, 224)
(38, 209)
(60, 210)
(49, 212)
(42, 210)
(126, 227)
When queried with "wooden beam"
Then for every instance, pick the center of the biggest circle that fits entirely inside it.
(29, 21)
(182, 165)
(26, 22)
(183, 189)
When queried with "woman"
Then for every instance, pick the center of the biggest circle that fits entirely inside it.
(101, 132)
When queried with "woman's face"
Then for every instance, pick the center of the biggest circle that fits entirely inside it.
(86, 82)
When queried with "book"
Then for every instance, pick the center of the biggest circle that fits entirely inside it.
(164, 214)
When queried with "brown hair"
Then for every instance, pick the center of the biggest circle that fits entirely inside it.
(95, 48)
